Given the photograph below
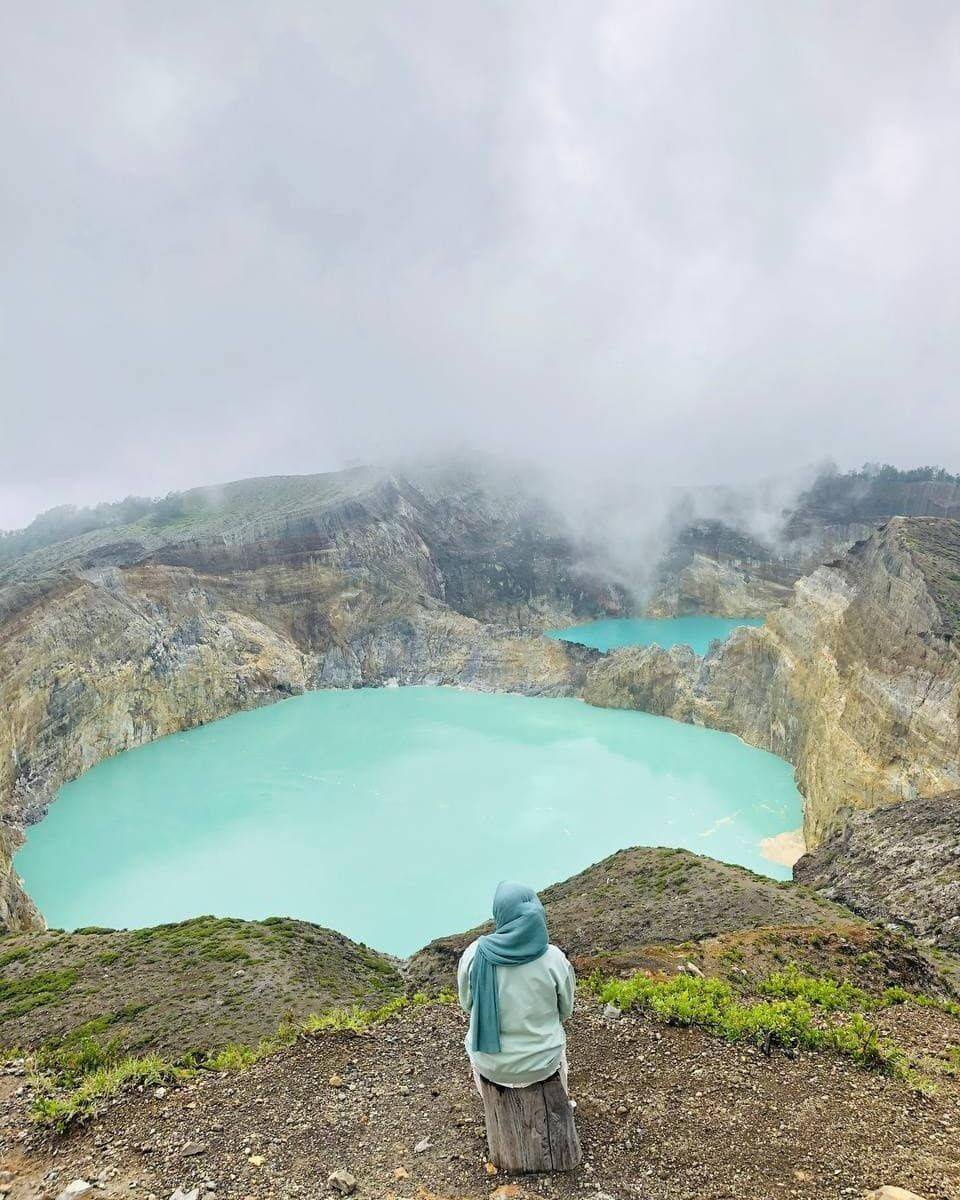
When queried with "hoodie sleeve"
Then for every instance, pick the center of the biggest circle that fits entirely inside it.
(566, 988)
(463, 977)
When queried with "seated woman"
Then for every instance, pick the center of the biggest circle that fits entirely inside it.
(518, 990)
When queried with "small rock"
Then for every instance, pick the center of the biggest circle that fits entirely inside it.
(74, 1190)
(401, 1173)
(422, 1146)
(490, 1168)
(342, 1182)
(192, 1149)
(159, 1093)
(335, 1081)
(180, 1194)
(693, 969)
(892, 1193)
(256, 1160)
(611, 1012)
(506, 1191)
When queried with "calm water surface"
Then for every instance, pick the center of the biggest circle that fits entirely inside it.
(390, 814)
(697, 632)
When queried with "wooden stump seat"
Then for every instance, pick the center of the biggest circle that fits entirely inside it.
(530, 1129)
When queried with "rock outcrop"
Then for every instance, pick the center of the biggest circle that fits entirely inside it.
(856, 681)
(898, 865)
(718, 566)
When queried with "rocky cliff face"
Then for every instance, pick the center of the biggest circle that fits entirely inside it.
(856, 681)
(898, 865)
(712, 567)
(718, 566)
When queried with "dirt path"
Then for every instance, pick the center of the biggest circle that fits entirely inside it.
(663, 1112)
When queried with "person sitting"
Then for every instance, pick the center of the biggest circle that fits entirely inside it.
(518, 989)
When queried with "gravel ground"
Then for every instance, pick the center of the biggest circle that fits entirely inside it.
(663, 1113)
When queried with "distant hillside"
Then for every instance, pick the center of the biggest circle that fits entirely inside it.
(875, 494)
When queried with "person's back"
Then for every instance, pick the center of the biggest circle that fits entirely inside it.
(516, 1035)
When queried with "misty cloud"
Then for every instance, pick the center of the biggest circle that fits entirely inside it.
(669, 241)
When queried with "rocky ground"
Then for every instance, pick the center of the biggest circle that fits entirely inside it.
(663, 1113)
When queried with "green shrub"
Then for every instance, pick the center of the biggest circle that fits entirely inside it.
(787, 1020)
(237, 1057)
(14, 956)
(71, 1060)
(822, 991)
(97, 1085)
(19, 996)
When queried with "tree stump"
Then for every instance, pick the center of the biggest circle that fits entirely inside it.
(532, 1128)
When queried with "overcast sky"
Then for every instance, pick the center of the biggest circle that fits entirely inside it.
(702, 241)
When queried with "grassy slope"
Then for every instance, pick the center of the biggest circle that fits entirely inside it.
(242, 509)
(172, 995)
(198, 984)
(205, 983)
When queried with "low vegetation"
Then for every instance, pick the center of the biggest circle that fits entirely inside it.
(74, 1078)
(789, 1010)
(21, 996)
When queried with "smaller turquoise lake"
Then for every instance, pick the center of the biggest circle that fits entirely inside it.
(696, 632)
(391, 814)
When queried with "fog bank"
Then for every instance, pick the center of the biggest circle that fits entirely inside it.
(658, 244)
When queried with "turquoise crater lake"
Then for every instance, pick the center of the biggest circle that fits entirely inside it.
(390, 814)
(613, 634)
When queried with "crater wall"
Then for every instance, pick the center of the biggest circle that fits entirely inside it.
(269, 588)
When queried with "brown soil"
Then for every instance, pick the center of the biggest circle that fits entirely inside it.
(663, 1113)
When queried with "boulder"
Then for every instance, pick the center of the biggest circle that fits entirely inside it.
(342, 1182)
